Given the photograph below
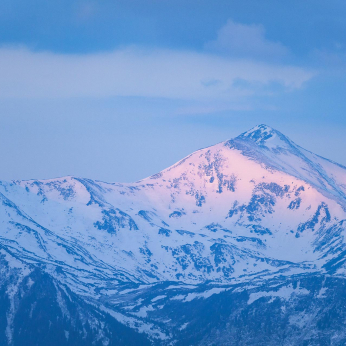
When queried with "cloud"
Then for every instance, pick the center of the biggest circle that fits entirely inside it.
(246, 41)
(139, 72)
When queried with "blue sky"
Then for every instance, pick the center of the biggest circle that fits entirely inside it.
(118, 90)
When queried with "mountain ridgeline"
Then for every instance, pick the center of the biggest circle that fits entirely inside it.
(241, 243)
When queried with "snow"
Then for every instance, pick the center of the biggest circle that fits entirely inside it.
(178, 297)
(284, 292)
(184, 326)
(321, 293)
(139, 325)
(158, 298)
(205, 294)
(143, 311)
(249, 209)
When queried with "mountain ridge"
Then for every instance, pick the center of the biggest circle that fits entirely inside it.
(243, 215)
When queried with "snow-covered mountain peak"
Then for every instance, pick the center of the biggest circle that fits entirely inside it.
(256, 214)
(265, 136)
(273, 150)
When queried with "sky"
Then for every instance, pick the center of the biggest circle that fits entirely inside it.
(119, 90)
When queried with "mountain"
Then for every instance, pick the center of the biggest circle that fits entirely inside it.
(241, 243)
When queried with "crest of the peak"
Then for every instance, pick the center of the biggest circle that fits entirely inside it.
(264, 135)
(270, 147)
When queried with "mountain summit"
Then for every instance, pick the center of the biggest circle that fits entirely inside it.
(263, 135)
(271, 148)
(251, 230)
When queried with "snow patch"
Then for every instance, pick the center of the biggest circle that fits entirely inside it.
(284, 293)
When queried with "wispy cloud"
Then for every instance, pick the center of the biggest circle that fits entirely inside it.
(247, 41)
(140, 72)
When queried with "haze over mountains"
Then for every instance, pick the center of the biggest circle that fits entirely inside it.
(241, 243)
